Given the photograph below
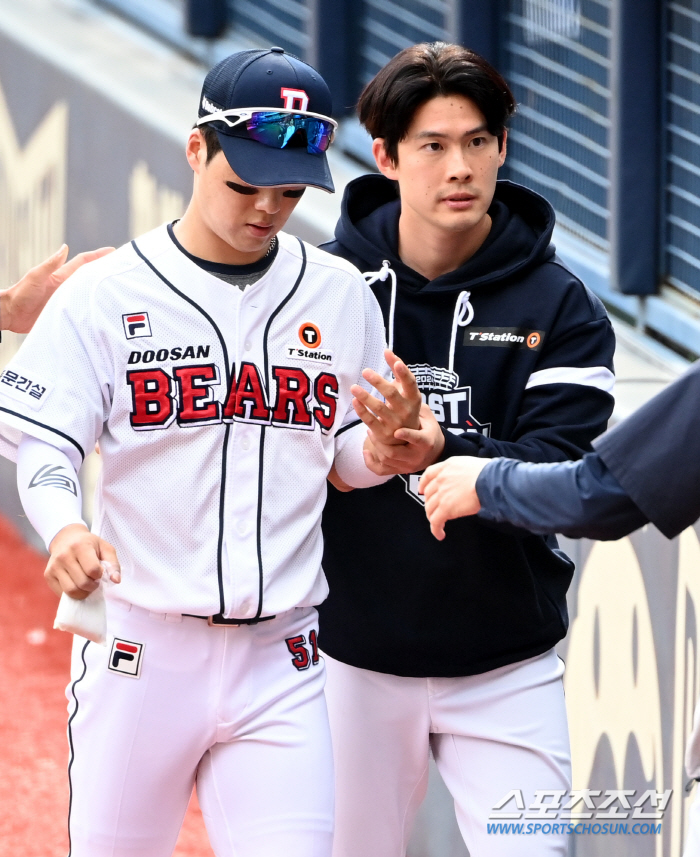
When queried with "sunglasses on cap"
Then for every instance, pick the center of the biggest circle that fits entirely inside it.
(276, 128)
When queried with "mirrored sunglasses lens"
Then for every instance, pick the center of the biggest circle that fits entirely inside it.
(319, 135)
(271, 129)
(277, 129)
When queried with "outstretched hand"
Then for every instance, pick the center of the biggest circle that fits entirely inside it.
(449, 489)
(21, 304)
(401, 405)
(403, 436)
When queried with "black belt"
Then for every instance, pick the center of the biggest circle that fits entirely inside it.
(220, 620)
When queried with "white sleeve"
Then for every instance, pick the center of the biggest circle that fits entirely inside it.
(350, 462)
(48, 487)
(58, 386)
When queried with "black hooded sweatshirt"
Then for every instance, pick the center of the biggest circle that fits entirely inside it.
(514, 356)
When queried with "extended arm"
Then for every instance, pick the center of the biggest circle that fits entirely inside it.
(21, 304)
(50, 494)
(577, 499)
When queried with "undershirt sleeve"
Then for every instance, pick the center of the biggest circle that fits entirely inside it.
(48, 487)
(350, 462)
(579, 499)
(349, 441)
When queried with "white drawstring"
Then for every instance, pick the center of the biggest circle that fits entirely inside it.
(463, 314)
(371, 277)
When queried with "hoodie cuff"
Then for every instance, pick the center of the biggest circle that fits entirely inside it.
(457, 445)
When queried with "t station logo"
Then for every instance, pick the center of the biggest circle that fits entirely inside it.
(310, 335)
(310, 338)
(451, 406)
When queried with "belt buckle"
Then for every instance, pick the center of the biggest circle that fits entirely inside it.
(220, 621)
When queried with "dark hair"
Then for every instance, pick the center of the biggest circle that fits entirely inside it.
(389, 102)
(211, 141)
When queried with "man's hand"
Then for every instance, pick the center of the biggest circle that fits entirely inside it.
(21, 304)
(412, 450)
(401, 407)
(450, 490)
(74, 566)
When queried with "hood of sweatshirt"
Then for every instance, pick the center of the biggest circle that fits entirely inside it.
(520, 236)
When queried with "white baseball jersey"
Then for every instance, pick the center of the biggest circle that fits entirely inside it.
(218, 414)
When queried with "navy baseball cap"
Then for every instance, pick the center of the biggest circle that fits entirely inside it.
(283, 129)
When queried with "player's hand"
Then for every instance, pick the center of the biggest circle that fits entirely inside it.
(449, 489)
(337, 482)
(413, 451)
(401, 407)
(74, 566)
(21, 304)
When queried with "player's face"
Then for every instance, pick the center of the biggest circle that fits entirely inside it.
(447, 165)
(235, 220)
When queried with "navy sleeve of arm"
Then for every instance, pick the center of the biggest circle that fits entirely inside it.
(655, 454)
(575, 498)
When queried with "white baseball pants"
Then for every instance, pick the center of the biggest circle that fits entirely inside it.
(692, 841)
(235, 708)
(505, 729)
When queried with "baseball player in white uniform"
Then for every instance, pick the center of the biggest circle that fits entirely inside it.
(214, 361)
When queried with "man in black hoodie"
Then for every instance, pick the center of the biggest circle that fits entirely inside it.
(449, 645)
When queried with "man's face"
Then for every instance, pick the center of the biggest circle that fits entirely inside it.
(237, 214)
(447, 165)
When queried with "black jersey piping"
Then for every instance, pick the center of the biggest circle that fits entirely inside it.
(348, 426)
(227, 370)
(70, 743)
(261, 266)
(48, 428)
(222, 501)
(272, 317)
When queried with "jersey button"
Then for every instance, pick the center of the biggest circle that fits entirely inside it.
(242, 527)
(248, 345)
(245, 443)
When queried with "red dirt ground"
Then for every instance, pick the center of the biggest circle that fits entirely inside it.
(34, 671)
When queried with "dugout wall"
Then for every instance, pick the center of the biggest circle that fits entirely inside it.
(93, 120)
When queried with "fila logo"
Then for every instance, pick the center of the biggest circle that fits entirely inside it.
(126, 657)
(136, 325)
(294, 99)
(310, 335)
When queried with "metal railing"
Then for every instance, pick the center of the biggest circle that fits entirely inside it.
(682, 186)
(557, 59)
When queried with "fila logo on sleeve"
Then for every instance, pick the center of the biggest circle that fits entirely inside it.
(136, 324)
(126, 657)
